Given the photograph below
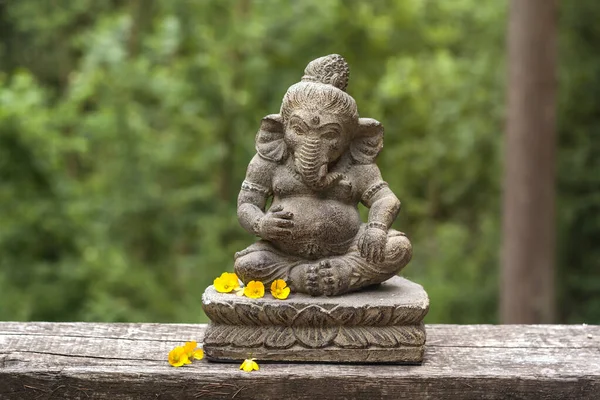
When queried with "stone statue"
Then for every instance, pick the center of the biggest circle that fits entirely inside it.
(316, 161)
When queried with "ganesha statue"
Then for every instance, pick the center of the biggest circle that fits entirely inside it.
(315, 162)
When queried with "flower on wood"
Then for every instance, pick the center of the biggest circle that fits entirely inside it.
(249, 365)
(280, 289)
(178, 357)
(254, 290)
(198, 354)
(192, 351)
(227, 282)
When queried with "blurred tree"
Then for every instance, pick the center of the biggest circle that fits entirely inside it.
(527, 289)
(126, 127)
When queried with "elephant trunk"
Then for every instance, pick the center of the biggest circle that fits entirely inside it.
(311, 162)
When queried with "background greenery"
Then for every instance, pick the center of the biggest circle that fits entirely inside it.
(126, 127)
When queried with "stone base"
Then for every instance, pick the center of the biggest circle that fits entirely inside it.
(380, 325)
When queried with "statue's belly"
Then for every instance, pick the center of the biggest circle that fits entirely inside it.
(322, 227)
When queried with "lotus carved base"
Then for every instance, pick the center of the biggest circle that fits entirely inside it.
(383, 324)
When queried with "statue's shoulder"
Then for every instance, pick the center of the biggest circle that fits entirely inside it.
(364, 171)
(364, 176)
(261, 165)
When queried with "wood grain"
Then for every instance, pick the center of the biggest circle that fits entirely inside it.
(128, 361)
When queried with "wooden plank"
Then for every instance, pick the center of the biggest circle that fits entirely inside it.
(128, 361)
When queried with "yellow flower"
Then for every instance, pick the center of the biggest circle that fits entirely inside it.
(189, 348)
(177, 357)
(280, 289)
(249, 365)
(198, 354)
(227, 282)
(191, 351)
(254, 290)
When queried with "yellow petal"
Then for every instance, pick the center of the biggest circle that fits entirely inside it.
(281, 284)
(177, 357)
(223, 285)
(189, 347)
(280, 291)
(198, 354)
(249, 365)
(233, 280)
(254, 290)
(285, 292)
(224, 275)
(245, 366)
(185, 360)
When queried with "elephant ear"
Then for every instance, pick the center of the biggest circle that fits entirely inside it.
(269, 139)
(368, 141)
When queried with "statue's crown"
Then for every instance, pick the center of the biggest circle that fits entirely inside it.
(332, 70)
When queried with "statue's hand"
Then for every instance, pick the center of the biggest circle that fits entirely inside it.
(372, 244)
(276, 224)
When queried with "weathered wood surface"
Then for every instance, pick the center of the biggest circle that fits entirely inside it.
(128, 361)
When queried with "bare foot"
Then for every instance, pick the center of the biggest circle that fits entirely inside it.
(312, 281)
(328, 280)
(335, 276)
(328, 277)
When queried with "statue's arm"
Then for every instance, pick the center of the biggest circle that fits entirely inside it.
(256, 190)
(383, 204)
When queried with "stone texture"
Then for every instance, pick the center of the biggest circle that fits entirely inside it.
(383, 324)
(314, 163)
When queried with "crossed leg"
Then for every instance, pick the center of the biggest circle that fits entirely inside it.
(350, 272)
(329, 276)
(261, 261)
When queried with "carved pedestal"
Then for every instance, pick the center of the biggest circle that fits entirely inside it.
(379, 325)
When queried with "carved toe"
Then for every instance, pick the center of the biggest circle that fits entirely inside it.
(312, 281)
(334, 277)
(328, 280)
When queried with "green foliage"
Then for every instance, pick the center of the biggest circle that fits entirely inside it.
(579, 164)
(126, 128)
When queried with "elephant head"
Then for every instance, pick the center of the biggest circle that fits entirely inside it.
(316, 140)
(318, 124)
